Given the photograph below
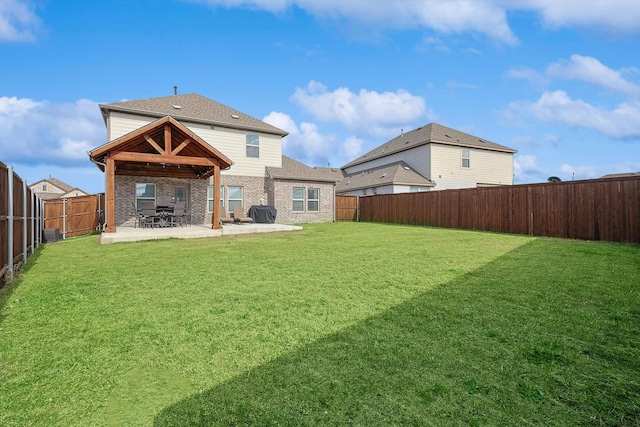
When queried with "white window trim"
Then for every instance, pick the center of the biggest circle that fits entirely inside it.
(255, 145)
(305, 199)
(466, 157)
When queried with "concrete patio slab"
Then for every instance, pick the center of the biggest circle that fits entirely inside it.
(131, 234)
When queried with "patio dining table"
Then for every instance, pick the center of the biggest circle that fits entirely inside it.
(163, 213)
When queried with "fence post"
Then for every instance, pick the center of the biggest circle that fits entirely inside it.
(64, 219)
(10, 224)
(33, 222)
(24, 221)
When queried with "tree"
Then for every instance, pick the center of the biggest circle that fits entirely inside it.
(553, 179)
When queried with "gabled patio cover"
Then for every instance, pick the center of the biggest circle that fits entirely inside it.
(163, 148)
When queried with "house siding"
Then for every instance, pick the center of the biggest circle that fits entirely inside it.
(485, 166)
(232, 143)
(419, 158)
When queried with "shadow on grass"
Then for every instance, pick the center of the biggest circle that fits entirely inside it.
(495, 347)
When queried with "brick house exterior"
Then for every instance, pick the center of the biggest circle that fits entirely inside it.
(259, 173)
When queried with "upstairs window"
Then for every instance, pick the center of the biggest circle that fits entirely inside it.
(253, 145)
(465, 158)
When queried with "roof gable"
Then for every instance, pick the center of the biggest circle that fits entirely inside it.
(164, 147)
(397, 173)
(195, 108)
(432, 133)
(56, 183)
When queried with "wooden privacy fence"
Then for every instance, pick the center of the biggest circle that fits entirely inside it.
(602, 209)
(346, 208)
(21, 214)
(74, 216)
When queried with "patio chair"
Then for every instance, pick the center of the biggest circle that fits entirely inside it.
(179, 213)
(139, 218)
(238, 215)
(225, 217)
(148, 213)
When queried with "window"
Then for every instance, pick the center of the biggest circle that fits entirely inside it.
(234, 197)
(418, 189)
(298, 199)
(313, 199)
(144, 192)
(44, 187)
(253, 145)
(210, 197)
(465, 157)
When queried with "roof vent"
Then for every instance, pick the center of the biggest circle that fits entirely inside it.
(235, 116)
(407, 168)
(383, 175)
(448, 136)
(176, 107)
(481, 140)
(407, 142)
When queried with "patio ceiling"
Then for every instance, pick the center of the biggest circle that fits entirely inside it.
(163, 148)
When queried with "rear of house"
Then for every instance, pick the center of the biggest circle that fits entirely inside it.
(253, 147)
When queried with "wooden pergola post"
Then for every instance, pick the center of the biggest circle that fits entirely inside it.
(110, 195)
(215, 221)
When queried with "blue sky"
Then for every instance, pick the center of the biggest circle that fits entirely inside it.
(559, 81)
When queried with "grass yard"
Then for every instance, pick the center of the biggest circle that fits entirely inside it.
(347, 323)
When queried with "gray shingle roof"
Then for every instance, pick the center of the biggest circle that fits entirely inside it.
(431, 133)
(621, 175)
(57, 183)
(296, 171)
(194, 108)
(398, 173)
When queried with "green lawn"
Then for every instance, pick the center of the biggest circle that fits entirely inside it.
(348, 323)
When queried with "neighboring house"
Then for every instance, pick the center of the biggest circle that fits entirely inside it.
(620, 175)
(432, 157)
(188, 147)
(53, 188)
(393, 178)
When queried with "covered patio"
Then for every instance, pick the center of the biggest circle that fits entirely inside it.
(163, 148)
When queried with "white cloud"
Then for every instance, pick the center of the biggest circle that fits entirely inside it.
(577, 172)
(443, 16)
(308, 145)
(613, 15)
(434, 43)
(366, 112)
(529, 74)
(558, 107)
(593, 71)
(487, 17)
(18, 22)
(43, 132)
(524, 141)
(526, 168)
(352, 148)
